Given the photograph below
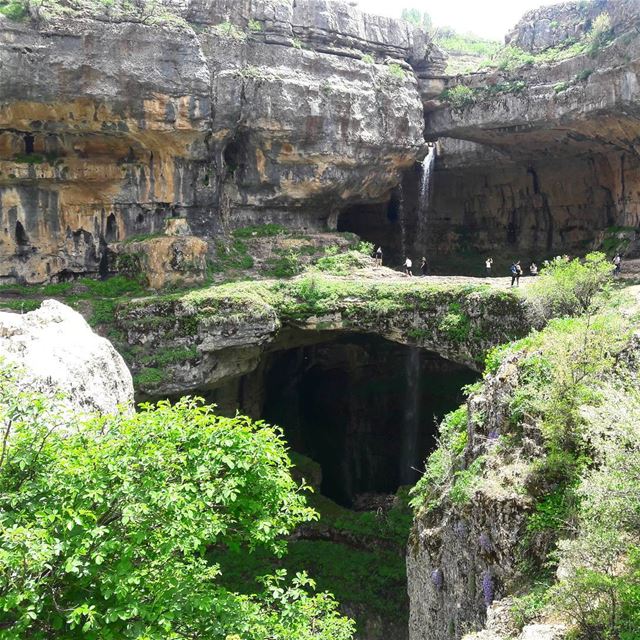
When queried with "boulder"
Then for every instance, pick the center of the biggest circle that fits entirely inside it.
(54, 349)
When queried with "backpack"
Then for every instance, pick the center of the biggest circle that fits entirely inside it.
(514, 270)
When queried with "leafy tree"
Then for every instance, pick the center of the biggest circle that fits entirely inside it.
(571, 287)
(105, 525)
(600, 589)
(416, 17)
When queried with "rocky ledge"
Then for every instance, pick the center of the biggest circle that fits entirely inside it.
(185, 342)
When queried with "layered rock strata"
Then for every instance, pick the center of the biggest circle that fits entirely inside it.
(220, 112)
(543, 159)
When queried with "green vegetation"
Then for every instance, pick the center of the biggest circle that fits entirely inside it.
(255, 26)
(342, 263)
(367, 574)
(367, 58)
(571, 287)
(14, 10)
(286, 265)
(465, 44)
(107, 537)
(229, 31)
(577, 394)
(459, 96)
(510, 58)
(418, 18)
(456, 325)
(234, 256)
(396, 71)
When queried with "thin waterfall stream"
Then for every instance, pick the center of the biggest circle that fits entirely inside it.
(426, 187)
(410, 456)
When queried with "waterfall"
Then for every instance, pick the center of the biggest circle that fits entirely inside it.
(426, 182)
(403, 226)
(410, 456)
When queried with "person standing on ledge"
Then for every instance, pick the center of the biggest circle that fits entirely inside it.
(408, 265)
(487, 267)
(379, 257)
(617, 263)
(533, 269)
(516, 272)
(424, 269)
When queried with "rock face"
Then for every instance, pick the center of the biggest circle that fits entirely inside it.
(183, 343)
(224, 113)
(541, 160)
(55, 350)
(461, 556)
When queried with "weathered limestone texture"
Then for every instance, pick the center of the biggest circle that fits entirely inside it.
(54, 349)
(230, 113)
(461, 557)
(542, 159)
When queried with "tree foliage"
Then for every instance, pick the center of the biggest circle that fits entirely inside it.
(571, 287)
(105, 525)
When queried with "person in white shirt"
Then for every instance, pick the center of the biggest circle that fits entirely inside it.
(408, 265)
(487, 267)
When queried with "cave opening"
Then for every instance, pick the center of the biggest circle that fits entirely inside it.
(364, 408)
(29, 142)
(21, 235)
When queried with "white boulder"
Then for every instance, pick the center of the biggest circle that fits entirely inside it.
(56, 350)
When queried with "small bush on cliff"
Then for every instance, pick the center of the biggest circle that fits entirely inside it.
(600, 33)
(600, 588)
(104, 526)
(14, 10)
(459, 96)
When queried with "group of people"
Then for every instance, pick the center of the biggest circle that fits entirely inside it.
(516, 270)
(408, 263)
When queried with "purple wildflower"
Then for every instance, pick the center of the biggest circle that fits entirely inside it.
(485, 542)
(437, 578)
(493, 434)
(487, 587)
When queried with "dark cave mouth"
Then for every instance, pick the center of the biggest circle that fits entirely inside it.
(362, 407)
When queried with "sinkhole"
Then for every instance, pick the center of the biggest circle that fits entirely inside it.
(366, 409)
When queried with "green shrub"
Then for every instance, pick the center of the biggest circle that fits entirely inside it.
(230, 31)
(455, 325)
(286, 265)
(396, 71)
(583, 75)
(341, 264)
(600, 34)
(367, 58)
(255, 26)
(571, 287)
(14, 10)
(459, 96)
(441, 463)
(561, 86)
(466, 481)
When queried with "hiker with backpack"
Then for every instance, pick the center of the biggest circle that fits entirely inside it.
(516, 272)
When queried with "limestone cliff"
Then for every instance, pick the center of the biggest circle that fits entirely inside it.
(223, 113)
(539, 156)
